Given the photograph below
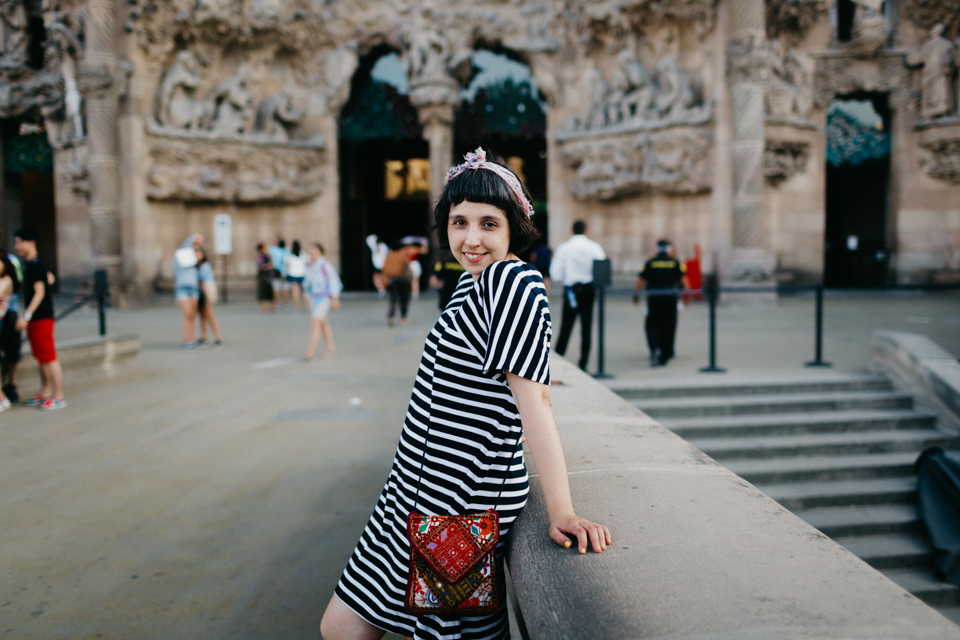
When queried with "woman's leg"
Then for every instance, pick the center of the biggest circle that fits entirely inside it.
(295, 292)
(188, 306)
(314, 337)
(209, 318)
(327, 338)
(339, 622)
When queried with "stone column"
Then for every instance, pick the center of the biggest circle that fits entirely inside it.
(747, 72)
(437, 123)
(103, 80)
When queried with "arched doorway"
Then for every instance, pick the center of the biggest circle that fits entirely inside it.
(856, 251)
(384, 165)
(504, 111)
(27, 197)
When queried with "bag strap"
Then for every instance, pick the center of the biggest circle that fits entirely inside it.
(423, 455)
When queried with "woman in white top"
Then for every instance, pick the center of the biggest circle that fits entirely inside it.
(9, 286)
(296, 268)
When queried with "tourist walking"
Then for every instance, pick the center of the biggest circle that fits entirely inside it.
(665, 278)
(483, 381)
(572, 266)
(398, 277)
(209, 295)
(10, 336)
(187, 287)
(296, 268)
(9, 287)
(278, 256)
(323, 287)
(264, 280)
(38, 320)
(378, 254)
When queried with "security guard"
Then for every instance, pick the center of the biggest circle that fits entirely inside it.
(446, 275)
(665, 277)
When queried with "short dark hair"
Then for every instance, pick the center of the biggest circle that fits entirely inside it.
(663, 244)
(295, 249)
(282, 244)
(485, 187)
(28, 234)
(579, 227)
(259, 246)
(319, 246)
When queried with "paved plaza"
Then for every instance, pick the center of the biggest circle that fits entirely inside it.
(219, 493)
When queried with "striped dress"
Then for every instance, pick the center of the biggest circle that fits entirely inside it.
(499, 323)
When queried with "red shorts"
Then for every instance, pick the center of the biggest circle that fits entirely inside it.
(40, 335)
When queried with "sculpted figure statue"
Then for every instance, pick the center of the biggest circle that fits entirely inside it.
(13, 28)
(939, 59)
(638, 97)
(599, 94)
(277, 113)
(427, 55)
(870, 26)
(231, 104)
(674, 95)
(178, 108)
(62, 50)
(786, 93)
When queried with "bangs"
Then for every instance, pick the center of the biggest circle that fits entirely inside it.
(480, 186)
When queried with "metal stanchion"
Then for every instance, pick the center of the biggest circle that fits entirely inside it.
(712, 300)
(100, 288)
(602, 277)
(818, 340)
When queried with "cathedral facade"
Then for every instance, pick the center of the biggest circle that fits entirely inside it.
(785, 141)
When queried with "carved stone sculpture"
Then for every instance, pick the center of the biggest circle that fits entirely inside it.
(674, 96)
(230, 105)
(275, 115)
(233, 172)
(943, 161)
(788, 90)
(793, 16)
(426, 58)
(938, 57)
(672, 160)
(782, 159)
(178, 106)
(634, 88)
(833, 76)
(869, 28)
(36, 94)
(13, 25)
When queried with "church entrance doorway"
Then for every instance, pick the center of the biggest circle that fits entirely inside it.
(856, 250)
(384, 166)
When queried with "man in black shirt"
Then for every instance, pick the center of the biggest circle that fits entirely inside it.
(38, 321)
(665, 277)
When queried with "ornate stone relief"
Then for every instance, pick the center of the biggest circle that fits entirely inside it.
(642, 131)
(939, 60)
(887, 73)
(926, 13)
(869, 28)
(788, 97)
(427, 57)
(227, 170)
(783, 159)
(793, 16)
(749, 59)
(597, 18)
(940, 142)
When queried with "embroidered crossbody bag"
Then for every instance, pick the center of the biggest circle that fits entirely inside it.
(452, 560)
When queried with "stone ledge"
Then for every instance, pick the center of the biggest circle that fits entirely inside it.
(697, 552)
(920, 366)
(85, 360)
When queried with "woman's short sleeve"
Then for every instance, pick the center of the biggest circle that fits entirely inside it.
(518, 319)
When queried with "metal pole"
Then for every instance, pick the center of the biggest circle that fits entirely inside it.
(712, 299)
(224, 278)
(101, 286)
(600, 334)
(102, 310)
(818, 333)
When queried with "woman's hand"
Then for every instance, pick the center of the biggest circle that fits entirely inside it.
(586, 532)
(335, 303)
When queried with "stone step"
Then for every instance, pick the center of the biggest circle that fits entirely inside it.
(821, 468)
(950, 613)
(823, 444)
(924, 585)
(666, 408)
(866, 520)
(893, 551)
(797, 423)
(747, 386)
(842, 493)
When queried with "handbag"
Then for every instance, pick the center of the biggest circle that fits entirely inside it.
(186, 257)
(453, 569)
(210, 290)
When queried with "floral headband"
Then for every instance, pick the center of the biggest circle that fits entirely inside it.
(478, 160)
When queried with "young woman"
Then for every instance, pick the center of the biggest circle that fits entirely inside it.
(483, 382)
(323, 288)
(208, 298)
(296, 268)
(187, 288)
(9, 336)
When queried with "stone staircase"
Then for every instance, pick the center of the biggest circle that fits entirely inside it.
(837, 450)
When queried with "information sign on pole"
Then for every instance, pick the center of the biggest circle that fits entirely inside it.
(222, 234)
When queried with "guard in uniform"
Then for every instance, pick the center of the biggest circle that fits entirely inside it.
(446, 275)
(665, 278)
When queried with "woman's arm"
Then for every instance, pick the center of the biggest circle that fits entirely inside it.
(536, 414)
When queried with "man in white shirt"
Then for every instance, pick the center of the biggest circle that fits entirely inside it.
(572, 266)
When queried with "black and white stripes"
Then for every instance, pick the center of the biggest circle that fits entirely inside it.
(472, 460)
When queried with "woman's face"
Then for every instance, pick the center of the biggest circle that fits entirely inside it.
(314, 253)
(479, 235)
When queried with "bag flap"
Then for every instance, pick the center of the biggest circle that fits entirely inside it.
(453, 545)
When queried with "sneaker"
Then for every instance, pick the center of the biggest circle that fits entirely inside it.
(5, 404)
(52, 404)
(10, 390)
(189, 346)
(35, 401)
(217, 344)
(202, 342)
